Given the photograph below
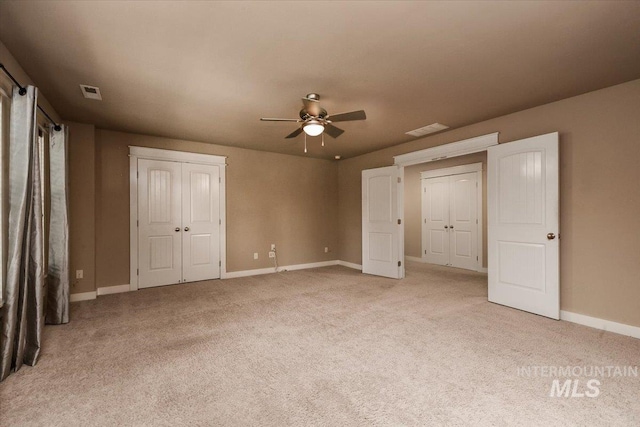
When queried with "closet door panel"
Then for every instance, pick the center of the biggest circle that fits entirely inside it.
(435, 210)
(463, 215)
(201, 222)
(159, 216)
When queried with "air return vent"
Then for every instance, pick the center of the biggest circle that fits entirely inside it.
(91, 92)
(425, 130)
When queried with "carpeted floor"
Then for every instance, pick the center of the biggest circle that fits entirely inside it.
(327, 346)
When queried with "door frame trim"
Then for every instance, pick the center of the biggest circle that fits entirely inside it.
(458, 170)
(444, 151)
(136, 153)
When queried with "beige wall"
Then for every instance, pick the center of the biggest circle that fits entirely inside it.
(271, 198)
(599, 190)
(82, 202)
(413, 201)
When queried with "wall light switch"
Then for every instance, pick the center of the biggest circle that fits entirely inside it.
(326, 250)
(255, 255)
(272, 254)
(79, 274)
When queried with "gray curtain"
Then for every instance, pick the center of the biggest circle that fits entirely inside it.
(58, 275)
(23, 318)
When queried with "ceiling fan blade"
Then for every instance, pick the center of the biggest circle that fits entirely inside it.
(332, 131)
(347, 117)
(294, 133)
(269, 119)
(311, 105)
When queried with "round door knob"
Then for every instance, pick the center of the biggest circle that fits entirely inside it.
(551, 236)
(186, 229)
(446, 226)
(451, 227)
(177, 229)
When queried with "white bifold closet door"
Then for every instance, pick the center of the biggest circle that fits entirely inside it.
(450, 220)
(178, 222)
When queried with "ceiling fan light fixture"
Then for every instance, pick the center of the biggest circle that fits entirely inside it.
(313, 128)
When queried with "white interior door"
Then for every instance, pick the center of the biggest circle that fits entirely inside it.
(523, 205)
(435, 208)
(200, 222)
(463, 221)
(159, 227)
(381, 223)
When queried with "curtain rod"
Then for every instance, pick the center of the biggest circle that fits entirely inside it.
(23, 91)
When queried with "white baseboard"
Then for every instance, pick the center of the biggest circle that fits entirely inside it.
(350, 265)
(414, 258)
(82, 296)
(108, 290)
(483, 270)
(605, 325)
(310, 265)
(260, 271)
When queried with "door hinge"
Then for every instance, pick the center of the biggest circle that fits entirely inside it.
(137, 271)
(399, 221)
(137, 223)
(476, 258)
(399, 263)
(425, 251)
(425, 220)
(476, 221)
(220, 263)
(399, 180)
(137, 174)
(220, 221)
(220, 179)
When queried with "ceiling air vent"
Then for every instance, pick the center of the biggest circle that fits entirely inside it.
(425, 130)
(91, 92)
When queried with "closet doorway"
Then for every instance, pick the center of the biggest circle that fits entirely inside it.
(452, 216)
(177, 213)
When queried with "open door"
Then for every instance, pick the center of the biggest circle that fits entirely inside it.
(382, 228)
(523, 214)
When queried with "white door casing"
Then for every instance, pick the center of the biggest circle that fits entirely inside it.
(200, 222)
(159, 231)
(382, 245)
(205, 215)
(523, 214)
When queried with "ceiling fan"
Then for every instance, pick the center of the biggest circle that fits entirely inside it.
(316, 121)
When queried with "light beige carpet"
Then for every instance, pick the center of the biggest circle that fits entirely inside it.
(327, 346)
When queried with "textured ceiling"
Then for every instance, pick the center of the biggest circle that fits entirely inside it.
(207, 71)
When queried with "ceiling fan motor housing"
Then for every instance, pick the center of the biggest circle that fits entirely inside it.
(305, 115)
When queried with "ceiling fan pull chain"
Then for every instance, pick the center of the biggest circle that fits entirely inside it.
(305, 142)
(323, 139)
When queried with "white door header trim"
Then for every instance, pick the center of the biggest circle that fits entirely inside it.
(453, 149)
(176, 156)
(456, 170)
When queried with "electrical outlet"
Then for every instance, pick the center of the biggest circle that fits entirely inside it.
(272, 254)
(326, 250)
(79, 274)
(255, 255)
(273, 246)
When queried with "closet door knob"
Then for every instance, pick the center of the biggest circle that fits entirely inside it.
(446, 226)
(451, 227)
(177, 229)
(186, 229)
(551, 236)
